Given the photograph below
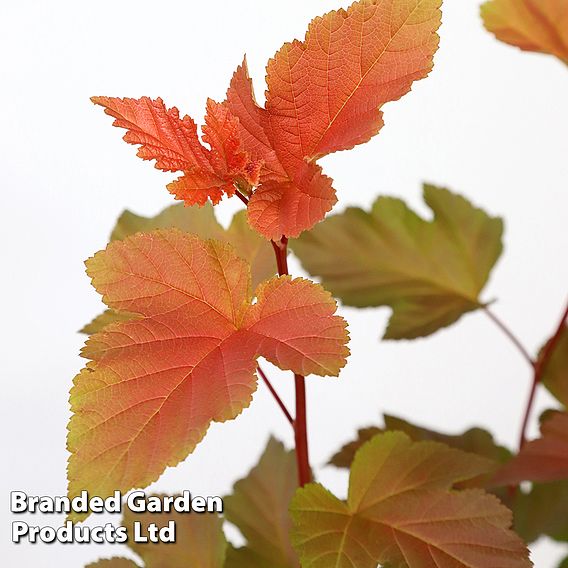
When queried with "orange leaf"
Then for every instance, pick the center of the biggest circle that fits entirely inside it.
(324, 95)
(222, 134)
(174, 144)
(532, 25)
(153, 385)
(163, 136)
(543, 459)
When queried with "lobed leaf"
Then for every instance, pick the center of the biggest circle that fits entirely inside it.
(542, 511)
(531, 25)
(325, 94)
(200, 541)
(475, 440)
(106, 318)
(258, 506)
(189, 358)
(208, 172)
(202, 222)
(429, 272)
(401, 512)
(543, 459)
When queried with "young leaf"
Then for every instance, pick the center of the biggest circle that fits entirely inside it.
(532, 25)
(259, 508)
(208, 172)
(113, 563)
(475, 440)
(543, 459)
(401, 512)
(555, 375)
(200, 541)
(325, 94)
(429, 272)
(153, 385)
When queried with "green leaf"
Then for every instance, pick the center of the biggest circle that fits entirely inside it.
(198, 220)
(259, 508)
(201, 221)
(564, 563)
(475, 440)
(429, 272)
(113, 563)
(555, 376)
(543, 511)
(401, 511)
(200, 541)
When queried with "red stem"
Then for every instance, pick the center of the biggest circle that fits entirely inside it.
(514, 340)
(262, 374)
(275, 395)
(539, 369)
(300, 423)
(301, 432)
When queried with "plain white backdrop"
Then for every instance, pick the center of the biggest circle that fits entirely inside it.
(490, 122)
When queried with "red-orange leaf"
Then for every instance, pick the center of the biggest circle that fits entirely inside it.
(543, 459)
(289, 207)
(154, 384)
(174, 143)
(221, 132)
(242, 103)
(163, 136)
(324, 95)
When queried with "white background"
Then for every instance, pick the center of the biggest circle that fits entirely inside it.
(490, 122)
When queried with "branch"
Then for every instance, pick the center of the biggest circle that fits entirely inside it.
(275, 395)
(514, 339)
(301, 423)
(539, 369)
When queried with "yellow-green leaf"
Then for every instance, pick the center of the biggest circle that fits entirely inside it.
(555, 376)
(543, 511)
(198, 220)
(430, 272)
(200, 541)
(259, 508)
(401, 511)
(475, 440)
(113, 563)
